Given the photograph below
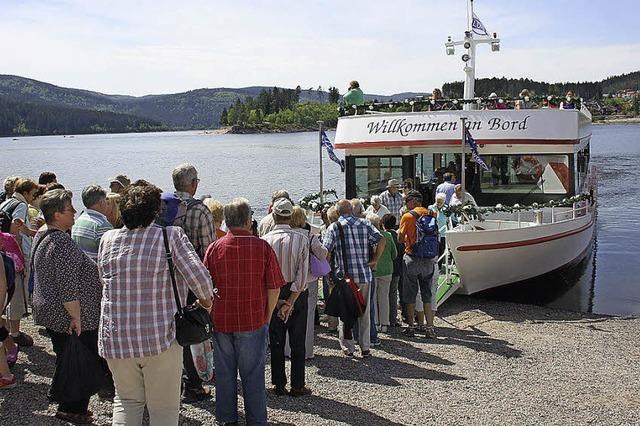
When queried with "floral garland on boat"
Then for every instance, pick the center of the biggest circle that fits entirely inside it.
(312, 201)
(471, 210)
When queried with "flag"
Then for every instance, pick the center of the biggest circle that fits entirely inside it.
(474, 149)
(329, 147)
(477, 27)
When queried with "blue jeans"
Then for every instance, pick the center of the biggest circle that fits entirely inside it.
(244, 352)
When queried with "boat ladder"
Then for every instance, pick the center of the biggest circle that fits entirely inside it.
(449, 279)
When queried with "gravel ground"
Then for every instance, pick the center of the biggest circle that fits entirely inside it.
(493, 363)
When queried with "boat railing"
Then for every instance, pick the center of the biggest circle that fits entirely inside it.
(523, 218)
(426, 103)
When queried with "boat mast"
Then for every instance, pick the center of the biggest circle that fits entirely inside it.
(469, 57)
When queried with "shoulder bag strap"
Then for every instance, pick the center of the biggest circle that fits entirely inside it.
(33, 252)
(343, 244)
(31, 262)
(171, 269)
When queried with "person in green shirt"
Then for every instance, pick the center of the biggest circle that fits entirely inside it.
(354, 96)
(383, 274)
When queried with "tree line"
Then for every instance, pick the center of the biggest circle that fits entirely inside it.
(280, 109)
(511, 87)
(27, 118)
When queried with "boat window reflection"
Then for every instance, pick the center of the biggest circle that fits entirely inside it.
(373, 173)
(529, 173)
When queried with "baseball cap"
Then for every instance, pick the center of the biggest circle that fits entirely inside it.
(121, 179)
(283, 207)
(413, 194)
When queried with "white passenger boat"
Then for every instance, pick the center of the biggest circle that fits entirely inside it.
(535, 157)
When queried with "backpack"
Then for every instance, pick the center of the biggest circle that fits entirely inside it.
(427, 239)
(10, 275)
(6, 213)
(173, 210)
(10, 247)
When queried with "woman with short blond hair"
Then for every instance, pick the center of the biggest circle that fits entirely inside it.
(217, 211)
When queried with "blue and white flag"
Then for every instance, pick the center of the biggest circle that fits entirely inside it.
(329, 147)
(474, 149)
(477, 27)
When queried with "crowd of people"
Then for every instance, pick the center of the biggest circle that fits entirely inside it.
(102, 277)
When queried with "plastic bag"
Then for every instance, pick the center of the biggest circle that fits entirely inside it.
(202, 354)
(79, 372)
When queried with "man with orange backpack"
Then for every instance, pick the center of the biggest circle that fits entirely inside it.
(419, 233)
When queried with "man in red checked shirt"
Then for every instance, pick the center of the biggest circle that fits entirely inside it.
(246, 273)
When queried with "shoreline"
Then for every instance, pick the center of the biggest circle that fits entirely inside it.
(626, 120)
(493, 363)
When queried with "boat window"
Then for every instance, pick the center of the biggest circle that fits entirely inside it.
(372, 174)
(582, 166)
(529, 173)
(424, 167)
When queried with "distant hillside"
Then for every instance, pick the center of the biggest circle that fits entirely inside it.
(26, 118)
(202, 108)
(621, 82)
(195, 109)
(199, 108)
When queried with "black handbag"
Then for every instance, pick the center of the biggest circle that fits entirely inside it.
(193, 323)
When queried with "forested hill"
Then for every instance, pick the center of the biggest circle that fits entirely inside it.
(19, 118)
(511, 87)
(195, 109)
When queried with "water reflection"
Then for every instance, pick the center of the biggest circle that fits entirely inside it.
(571, 287)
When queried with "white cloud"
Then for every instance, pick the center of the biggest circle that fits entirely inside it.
(159, 47)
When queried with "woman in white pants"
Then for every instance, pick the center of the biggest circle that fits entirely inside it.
(299, 221)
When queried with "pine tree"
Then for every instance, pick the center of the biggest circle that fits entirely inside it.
(334, 95)
(223, 117)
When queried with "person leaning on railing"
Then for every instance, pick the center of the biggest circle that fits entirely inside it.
(354, 96)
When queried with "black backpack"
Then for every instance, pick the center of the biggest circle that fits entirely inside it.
(10, 274)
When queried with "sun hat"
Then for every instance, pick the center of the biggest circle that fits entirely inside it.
(393, 182)
(283, 207)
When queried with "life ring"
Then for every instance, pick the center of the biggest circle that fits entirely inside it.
(528, 169)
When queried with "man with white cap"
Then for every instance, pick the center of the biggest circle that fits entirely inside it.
(119, 183)
(290, 316)
(392, 198)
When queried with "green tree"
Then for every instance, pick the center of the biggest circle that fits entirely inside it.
(223, 117)
(334, 95)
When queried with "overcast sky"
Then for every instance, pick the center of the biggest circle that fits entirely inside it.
(146, 47)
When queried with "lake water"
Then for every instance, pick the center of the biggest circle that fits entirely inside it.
(252, 166)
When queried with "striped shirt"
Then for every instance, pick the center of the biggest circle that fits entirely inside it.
(292, 250)
(138, 305)
(360, 235)
(393, 202)
(197, 223)
(87, 230)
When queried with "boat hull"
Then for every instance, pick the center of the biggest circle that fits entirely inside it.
(495, 257)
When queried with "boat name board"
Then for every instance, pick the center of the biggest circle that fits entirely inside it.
(537, 124)
(403, 127)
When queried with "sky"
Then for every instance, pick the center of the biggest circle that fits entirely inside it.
(152, 47)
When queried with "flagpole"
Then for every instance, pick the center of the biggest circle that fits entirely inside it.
(320, 123)
(463, 165)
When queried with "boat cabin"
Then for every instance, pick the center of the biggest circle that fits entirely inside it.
(532, 155)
